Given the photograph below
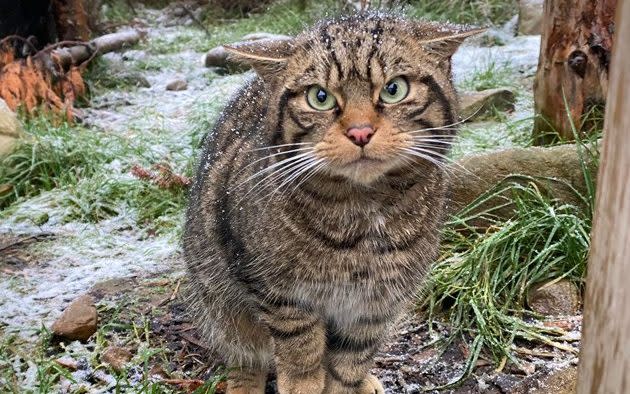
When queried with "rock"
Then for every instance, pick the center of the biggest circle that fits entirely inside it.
(116, 357)
(476, 105)
(558, 380)
(216, 57)
(561, 381)
(530, 17)
(134, 78)
(68, 362)
(219, 57)
(10, 129)
(561, 298)
(177, 85)
(78, 321)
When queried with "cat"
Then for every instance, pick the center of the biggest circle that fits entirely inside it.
(318, 200)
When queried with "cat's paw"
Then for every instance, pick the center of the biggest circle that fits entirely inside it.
(372, 386)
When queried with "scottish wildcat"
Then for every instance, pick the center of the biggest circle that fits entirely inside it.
(318, 200)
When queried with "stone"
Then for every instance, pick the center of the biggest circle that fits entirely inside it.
(134, 78)
(219, 57)
(561, 298)
(116, 357)
(561, 381)
(78, 321)
(177, 85)
(530, 17)
(10, 129)
(476, 105)
(68, 362)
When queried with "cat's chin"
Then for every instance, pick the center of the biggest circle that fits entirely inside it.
(365, 171)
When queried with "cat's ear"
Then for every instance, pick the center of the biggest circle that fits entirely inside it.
(443, 39)
(265, 56)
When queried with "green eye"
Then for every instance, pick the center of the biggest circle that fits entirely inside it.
(320, 99)
(394, 90)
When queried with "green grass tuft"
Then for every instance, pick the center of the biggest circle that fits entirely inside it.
(492, 75)
(50, 156)
(484, 276)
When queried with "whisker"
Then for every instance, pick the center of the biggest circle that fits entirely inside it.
(270, 156)
(423, 149)
(444, 142)
(295, 173)
(281, 146)
(314, 171)
(448, 126)
(274, 175)
(426, 157)
(271, 167)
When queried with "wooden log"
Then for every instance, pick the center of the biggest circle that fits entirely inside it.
(575, 49)
(557, 170)
(605, 357)
(78, 54)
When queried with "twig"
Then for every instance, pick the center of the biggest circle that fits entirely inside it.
(535, 353)
(19, 38)
(23, 240)
(197, 21)
(174, 295)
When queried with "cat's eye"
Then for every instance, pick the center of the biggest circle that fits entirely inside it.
(394, 91)
(320, 99)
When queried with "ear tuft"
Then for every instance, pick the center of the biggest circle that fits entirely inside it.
(443, 39)
(264, 55)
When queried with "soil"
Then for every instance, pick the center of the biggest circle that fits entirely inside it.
(413, 361)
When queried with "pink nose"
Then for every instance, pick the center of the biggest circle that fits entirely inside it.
(360, 135)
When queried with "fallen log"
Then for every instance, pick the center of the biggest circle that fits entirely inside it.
(556, 171)
(82, 52)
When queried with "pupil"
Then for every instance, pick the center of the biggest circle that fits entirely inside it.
(321, 96)
(392, 88)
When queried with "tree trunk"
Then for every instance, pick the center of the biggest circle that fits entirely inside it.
(71, 19)
(605, 357)
(575, 50)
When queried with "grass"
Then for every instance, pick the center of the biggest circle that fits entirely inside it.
(281, 17)
(52, 156)
(481, 280)
(87, 175)
(492, 75)
(479, 12)
(20, 361)
(124, 321)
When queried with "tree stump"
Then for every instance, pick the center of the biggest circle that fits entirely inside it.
(577, 38)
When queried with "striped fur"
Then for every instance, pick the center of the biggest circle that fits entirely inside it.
(304, 254)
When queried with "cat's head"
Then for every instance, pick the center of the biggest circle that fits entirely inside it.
(362, 95)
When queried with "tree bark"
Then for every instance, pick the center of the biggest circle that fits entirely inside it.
(605, 357)
(71, 20)
(575, 50)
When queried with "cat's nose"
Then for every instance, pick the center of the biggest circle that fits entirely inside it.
(360, 135)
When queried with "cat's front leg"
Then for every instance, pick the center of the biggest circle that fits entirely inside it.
(299, 346)
(350, 355)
